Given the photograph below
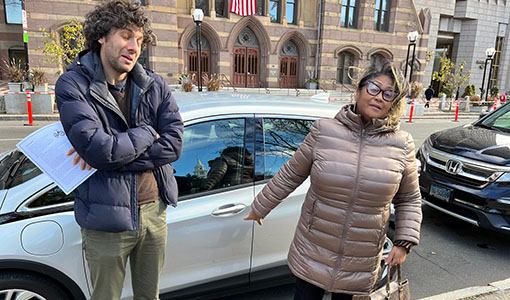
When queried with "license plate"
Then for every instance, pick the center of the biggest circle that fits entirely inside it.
(441, 193)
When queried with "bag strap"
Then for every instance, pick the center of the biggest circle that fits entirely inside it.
(388, 279)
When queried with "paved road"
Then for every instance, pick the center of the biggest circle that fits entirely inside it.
(11, 132)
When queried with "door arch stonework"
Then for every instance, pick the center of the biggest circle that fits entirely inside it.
(289, 62)
(262, 38)
(246, 63)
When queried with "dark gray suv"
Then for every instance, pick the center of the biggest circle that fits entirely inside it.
(465, 171)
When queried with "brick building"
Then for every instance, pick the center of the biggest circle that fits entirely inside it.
(275, 47)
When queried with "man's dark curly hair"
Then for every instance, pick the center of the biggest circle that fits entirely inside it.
(115, 14)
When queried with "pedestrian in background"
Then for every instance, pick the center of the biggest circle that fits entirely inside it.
(429, 92)
(122, 120)
(359, 163)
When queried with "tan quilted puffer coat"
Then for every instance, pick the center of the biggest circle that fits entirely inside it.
(356, 171)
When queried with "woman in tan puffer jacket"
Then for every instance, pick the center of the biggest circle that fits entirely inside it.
(358, 163)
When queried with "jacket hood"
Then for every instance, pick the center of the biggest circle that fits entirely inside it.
(354, 122)
(475, 142)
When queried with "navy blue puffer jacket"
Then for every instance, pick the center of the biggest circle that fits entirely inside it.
(99, 133)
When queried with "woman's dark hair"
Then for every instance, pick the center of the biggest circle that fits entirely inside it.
(115, 14)
(400, 85)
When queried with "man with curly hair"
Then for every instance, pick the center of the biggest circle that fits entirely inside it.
(122, 120)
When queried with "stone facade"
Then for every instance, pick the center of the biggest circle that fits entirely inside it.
(469, 28)
(174, 29)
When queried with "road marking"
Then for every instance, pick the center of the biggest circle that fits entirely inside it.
(11, 139)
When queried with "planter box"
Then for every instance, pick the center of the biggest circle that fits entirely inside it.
(14, 86)
(311, 85)
(419, 110)
(41, 88)
(41, 103)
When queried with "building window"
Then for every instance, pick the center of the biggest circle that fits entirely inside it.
(382, 15)
(221, 8)
(497, 61)
(377, 61)
(203, 5)
(349, 15)
(274, 11)
(12, 10)
(261, 7)
(345, 60)
(291, 12)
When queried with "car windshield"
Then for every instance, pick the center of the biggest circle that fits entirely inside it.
(499, 120)
(15, 169)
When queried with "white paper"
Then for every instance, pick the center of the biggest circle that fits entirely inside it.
(47, 148)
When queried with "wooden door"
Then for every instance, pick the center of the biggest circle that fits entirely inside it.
(193, 64)
(246, 67)
(289, 71)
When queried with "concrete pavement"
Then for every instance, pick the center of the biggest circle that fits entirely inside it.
(499, 290)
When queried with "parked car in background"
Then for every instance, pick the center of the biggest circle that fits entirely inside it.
(465, 171)
(210, 246)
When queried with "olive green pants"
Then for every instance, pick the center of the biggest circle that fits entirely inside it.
(107, 254)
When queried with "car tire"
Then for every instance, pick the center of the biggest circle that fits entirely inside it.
(13, 284)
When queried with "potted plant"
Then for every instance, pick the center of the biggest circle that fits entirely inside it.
(15, 75)
(212, 83)
(311, 83)
(39, 80)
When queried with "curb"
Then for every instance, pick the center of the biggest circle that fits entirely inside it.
(5, 117)
(496, 288)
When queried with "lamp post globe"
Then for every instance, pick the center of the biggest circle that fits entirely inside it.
(198, 17)
(490, 57)
(411, 37)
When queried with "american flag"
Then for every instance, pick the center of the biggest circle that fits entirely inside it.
(243, 7)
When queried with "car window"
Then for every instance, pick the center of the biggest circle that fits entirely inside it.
(499, 119)
(52, 197)
(282, 138)
(15, 169)
(213, 157)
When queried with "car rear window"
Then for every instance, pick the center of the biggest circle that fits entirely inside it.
(15, 169)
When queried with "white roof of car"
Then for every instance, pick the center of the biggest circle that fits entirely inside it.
(209, 104)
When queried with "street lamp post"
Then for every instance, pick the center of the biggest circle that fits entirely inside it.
(490, 57)
(198, 17)
(411, 36)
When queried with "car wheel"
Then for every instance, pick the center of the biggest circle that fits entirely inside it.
(27, 286)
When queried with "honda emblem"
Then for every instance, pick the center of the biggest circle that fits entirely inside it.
(453, 166)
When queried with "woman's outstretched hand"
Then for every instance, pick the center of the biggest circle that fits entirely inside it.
(396, 256)
(253, 216)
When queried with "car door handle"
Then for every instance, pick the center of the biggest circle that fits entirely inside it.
(228, 210)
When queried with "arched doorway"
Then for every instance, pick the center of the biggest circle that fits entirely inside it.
(246, 59)
(193, 57)
(289, 61)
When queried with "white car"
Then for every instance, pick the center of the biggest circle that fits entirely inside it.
(210, 246)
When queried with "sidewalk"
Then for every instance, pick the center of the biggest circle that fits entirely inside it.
(499, 290)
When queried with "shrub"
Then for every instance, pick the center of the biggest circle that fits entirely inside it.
(213, 83)
(416, 88)
(38, 76)
(494, 92)
(469, 91)
(15, 71)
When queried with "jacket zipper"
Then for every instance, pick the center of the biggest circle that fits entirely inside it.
(349, 211)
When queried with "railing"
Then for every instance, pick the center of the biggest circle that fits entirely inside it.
(262, 85)
(333, 83)
(224, 77)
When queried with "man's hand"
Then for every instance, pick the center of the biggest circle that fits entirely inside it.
(253, 216)
(77, 159)
(396, 256)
